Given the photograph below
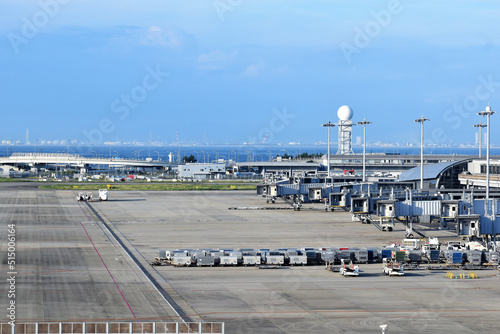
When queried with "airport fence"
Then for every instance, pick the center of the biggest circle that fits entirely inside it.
(112, 328)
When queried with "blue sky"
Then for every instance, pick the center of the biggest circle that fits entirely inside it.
(234, 71)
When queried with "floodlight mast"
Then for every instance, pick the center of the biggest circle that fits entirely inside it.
(421, 120)
(329, 125)
(488, 112)
(480, 125)
(364, 123)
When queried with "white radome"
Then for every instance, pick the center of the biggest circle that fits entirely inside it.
(345, 113)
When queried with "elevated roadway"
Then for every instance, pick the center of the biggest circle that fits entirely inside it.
(374, 163)
(40, 159)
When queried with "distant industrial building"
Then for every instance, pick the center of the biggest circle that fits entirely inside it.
(467, 173)
(438, 175)
(376, 165)
(475, 176)
(283, 168)
(202, 171)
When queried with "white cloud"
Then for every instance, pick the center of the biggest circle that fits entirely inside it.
(157, 36)
(216, 59)
(254, 69)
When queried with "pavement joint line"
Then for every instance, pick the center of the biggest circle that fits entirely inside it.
(168, 299)
(159, 274)
(348, 311)
(102, 260)
(97, 222)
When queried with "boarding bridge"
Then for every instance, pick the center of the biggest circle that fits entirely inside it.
(449, 209)
(386, 208)
(360, 205)
(313, 189)
(367, 202)
(315, 193)
(468, 225)
(412, 208)
(490, 218)
(386, 213)
(472, 218)
(449, 212)
(269, 191)
(338, 200)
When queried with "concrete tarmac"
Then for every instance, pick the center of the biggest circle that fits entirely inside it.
(69, 268)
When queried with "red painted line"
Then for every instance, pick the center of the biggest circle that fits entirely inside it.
(105, 266)
(346, 311)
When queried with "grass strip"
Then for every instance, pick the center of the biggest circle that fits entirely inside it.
(151, 186)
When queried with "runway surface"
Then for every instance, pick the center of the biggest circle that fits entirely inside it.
(71, 268)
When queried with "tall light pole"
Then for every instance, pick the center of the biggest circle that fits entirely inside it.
(421, 120)
(329, 125)
(480, 125)
(488, 112)
(364, 123)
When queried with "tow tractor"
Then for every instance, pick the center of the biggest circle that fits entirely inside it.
(392, 268)
(90, 197)
(348, 268)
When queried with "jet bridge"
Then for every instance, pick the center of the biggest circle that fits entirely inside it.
(360, 205)
(315, 193)
(338, 200)
(449, 212)
(468, 225)
(449, 209)
(386, 212)
(369, 202)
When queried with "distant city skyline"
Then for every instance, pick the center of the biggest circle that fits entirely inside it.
(222, 72)
(356, 143)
